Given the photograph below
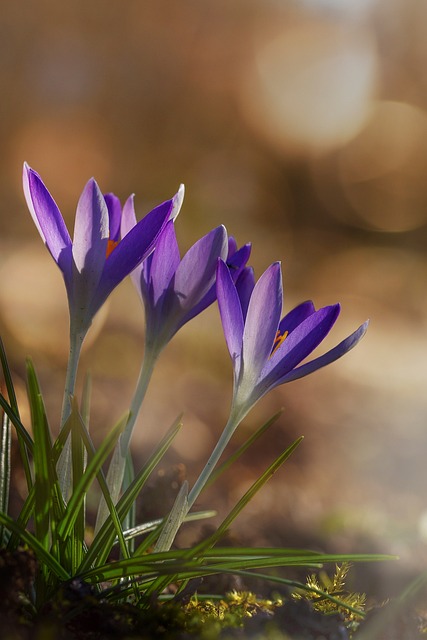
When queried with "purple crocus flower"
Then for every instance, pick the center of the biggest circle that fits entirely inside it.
(267, 351)
(96, 260)
(173, 289)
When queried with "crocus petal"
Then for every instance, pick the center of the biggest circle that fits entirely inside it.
(195, 274)
(128, 216)
(91, 232)
(299, 344)
(294, 318)
(114, 216)
(245, 284)
(232, 245)
(137, 244)
(177, 201)
(261, 323)
(330, 356)
(231, 314)
(236, 261)
(164, 262)
(48, 220)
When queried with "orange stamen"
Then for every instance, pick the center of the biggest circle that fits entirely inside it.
(112, 244)
(278, 341)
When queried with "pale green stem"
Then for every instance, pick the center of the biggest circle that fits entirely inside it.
(236, 416)
(117, 466)
(64, 462)
(76, 341)
(183, 503)
(147, 367)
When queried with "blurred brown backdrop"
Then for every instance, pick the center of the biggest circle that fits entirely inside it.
(301, 126)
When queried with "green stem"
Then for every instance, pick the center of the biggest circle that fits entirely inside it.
(146, 371)
(76, 341)
(64, 462)
(236, 416)
(116, 470)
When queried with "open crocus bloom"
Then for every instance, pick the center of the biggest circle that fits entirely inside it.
(96, 260)
(267, 351)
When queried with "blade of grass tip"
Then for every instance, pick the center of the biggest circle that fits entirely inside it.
(258, 484)
(174, 520)
(8, 379)
(87, 478)
(104, 539)
(241, 450)
(5, 449)
(147, 527)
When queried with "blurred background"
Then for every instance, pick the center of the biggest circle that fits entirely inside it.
(302, 126)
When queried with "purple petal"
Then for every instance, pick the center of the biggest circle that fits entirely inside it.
(114, 216)
(237, 261)
(196, 272)
(128, 216)
(341, 349)
(300, 343)
(91, 231)
(232, 245)
(127, 223)
(137, 244)
(231, 313)
(262, 321)
(48, 220)
(164, 262)
(245, 284)
(294, 318)
(241, 256)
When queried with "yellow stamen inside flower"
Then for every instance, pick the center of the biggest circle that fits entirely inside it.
(112, 244)
(278, 341)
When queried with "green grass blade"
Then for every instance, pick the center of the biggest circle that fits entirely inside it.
(78, 465)
(45, 558)
(8, 379)
(146, 527)
(43, 494)
(160, 584)
(177, 565)
(87, 478)
(86, 400)
(48, 502)
(174, 520)
(90, 449)
(104, 539)
(25, 442)
(241, 450)
(260, 482)
(5, 449)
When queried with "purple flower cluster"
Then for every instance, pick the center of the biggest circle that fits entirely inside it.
(109, 244)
